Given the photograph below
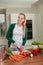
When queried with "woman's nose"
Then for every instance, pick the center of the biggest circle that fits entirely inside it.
(20, 19)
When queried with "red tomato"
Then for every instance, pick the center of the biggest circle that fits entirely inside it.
(20, 53)
(20, 50)
(24, 53)
(28, 52)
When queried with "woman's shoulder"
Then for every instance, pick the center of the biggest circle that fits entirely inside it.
(12, 25)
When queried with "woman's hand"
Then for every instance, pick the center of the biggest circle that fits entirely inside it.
(22, 48)
(15, 44)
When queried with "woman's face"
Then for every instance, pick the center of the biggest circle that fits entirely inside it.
(21, 19)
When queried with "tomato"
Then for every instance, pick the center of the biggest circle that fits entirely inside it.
(20, 50)
(28, 52)
(24, 53)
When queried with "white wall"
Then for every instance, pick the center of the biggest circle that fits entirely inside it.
(2, 18)
(39, 23)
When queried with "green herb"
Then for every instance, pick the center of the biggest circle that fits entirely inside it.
(8, 52)
(35, 43)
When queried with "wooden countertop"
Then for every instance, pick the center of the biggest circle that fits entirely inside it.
(35, 60)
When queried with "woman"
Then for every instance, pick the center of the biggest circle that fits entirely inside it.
(17, 33)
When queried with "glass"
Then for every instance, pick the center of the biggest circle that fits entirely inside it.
(35, 51)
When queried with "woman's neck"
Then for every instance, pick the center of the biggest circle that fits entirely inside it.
(19, 24)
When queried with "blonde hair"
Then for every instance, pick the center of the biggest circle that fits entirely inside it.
(24, 23)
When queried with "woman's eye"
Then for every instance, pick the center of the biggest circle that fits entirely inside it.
(20, 18)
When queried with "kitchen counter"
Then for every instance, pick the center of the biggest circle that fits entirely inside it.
(35, 60)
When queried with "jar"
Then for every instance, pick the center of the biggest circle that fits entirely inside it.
(35, 50)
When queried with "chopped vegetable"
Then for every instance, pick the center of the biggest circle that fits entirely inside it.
(15, 57)
(8, 52)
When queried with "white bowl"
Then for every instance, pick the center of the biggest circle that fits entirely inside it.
(34, 46)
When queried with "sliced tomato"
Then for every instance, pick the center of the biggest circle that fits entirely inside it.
(28, 52)
(24, 53)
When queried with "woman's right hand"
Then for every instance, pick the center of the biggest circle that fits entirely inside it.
(15, 44)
